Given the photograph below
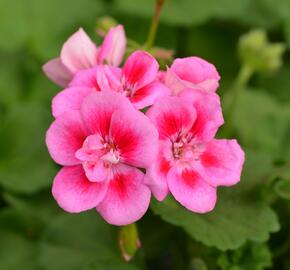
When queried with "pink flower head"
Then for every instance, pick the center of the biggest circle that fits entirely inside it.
(102, 147)
(191, 163)
(192, 72)
(79, 53)
(83, 84)
(138, 80)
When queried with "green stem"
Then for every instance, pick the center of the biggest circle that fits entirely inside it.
(154, 24)
(240, 84)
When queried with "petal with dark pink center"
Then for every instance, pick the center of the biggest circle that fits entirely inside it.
(97, 110)
(69, 99)
(140, 69)
(208, 114)
(79, 52)
(148, 94)
(222, 162)
(135, 137)
(64, 137)
(127, 198)
(190, 190)
(172, 116)
(74, 192)
(156, 174)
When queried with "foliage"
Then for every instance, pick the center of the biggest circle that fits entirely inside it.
(239, 234)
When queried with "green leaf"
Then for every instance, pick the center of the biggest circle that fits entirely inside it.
(251, 256)
(17, 249)
(10, 81)
(25, 165)
(277, 85)
(282, 188)
(54, 20)
(40, 206)
(264, 13)
(42, 25)
(234, 220)
(82, 241)
(181, 12)
(262, 123)
(14, 27)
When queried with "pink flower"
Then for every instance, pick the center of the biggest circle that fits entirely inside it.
(138, 80)
(83, 84)
(192, 72)
(191, 163)
(79, 53)
(102, 147)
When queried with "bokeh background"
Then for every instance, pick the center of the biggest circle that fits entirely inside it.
(250, 227)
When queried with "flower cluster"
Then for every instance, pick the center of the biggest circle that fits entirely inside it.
(113, 155)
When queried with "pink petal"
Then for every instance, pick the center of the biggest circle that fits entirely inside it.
(57, 72)
(74, 192)
(113, 47)
(64, 137)
(191, 190)
(127, 198)
(96, 172)
(97, 110)
(109, 78)
(171, 116)
(134, 136)
(86, 78)
(156, 174)
(79, 52)
(197, 71)
(147, 95)
(222, 161)
(69, 99)
(177, 85)
(140, 69)
(209, 114)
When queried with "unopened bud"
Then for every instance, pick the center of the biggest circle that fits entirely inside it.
(257, 52)
(129, 241)
(104, 24)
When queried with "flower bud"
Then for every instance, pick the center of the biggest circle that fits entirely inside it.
(258, 53)
(129, 241)
(104, 24)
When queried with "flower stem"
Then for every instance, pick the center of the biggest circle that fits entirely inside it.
(154, 24)
(239, 86)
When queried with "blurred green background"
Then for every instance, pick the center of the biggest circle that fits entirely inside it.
(250, 227)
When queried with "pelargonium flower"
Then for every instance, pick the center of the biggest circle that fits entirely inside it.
(102, 147)
(191, 163)
(137, 80)
(192, 72)
(79, 53)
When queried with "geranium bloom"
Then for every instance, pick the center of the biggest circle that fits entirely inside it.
(191, 163)
(102, 147)
(192, 72)
(79, 53)
(137, 80)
